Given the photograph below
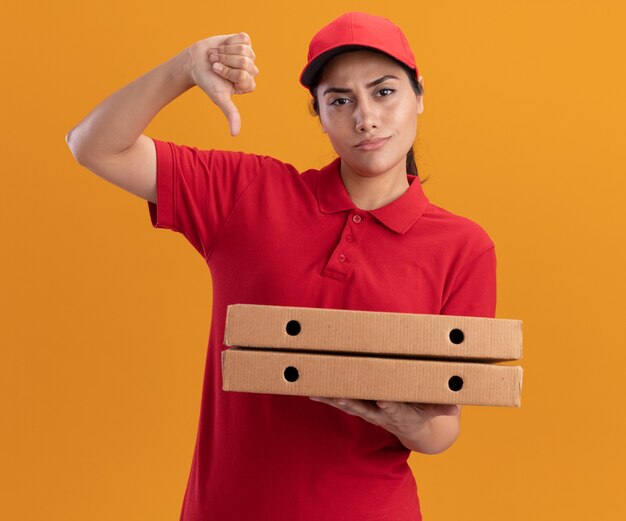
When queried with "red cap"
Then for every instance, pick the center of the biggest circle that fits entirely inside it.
(353, 31)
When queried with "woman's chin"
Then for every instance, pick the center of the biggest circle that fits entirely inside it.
(373, 166)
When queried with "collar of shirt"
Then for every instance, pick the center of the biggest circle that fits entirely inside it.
(399, 215)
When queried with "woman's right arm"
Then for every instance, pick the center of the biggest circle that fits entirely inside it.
(109, 140)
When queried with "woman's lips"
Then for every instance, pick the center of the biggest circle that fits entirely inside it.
(374, 145)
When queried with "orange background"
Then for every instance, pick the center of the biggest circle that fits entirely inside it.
(105, 320)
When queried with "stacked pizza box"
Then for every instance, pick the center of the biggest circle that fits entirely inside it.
(372, 355)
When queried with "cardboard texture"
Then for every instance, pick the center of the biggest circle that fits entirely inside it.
(318, 329)
(372, 355)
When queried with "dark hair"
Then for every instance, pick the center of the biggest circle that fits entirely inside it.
(411, 167)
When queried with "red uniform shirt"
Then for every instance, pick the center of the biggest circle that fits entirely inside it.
(271, 235)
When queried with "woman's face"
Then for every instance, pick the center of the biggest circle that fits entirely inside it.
(363, 95)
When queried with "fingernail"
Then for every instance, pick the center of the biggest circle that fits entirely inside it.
(341, 403)
(382, 405)
(217, 66)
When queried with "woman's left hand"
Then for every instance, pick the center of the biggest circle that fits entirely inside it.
(403, 419)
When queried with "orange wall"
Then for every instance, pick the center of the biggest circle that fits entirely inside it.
(105, 320)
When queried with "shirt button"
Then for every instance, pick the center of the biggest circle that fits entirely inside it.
(356, 218)
(342, 257)
(348, 238)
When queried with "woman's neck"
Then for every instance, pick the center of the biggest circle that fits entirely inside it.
(369, 193)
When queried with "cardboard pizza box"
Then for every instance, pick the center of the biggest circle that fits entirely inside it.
(370, 377)
(396, 334)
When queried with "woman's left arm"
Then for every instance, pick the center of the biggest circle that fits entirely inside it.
(420, 427)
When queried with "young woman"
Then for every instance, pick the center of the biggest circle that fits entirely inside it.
(358, 233)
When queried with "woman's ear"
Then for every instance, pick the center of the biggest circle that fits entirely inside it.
(322, 124)
(420, 98)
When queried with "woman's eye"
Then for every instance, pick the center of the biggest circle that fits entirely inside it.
(334, 102)
(390, 91)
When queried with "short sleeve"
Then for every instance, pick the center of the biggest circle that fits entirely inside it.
(473, 292)
(198, 189)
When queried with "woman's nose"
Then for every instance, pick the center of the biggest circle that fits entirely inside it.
(366, 116)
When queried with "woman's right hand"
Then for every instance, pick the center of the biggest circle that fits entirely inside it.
(233, 52)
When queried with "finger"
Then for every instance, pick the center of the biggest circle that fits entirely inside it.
(241, 79)
(230, 111)
(235, 61)
(236, 38)
(432, 410)
(328, 401)
(340, 403)
(237, 49)
(451, 410)
(442, 409)
(391, 408)
(362, 408)
(365, 409)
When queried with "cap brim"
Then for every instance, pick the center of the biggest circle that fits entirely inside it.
(309, 72)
